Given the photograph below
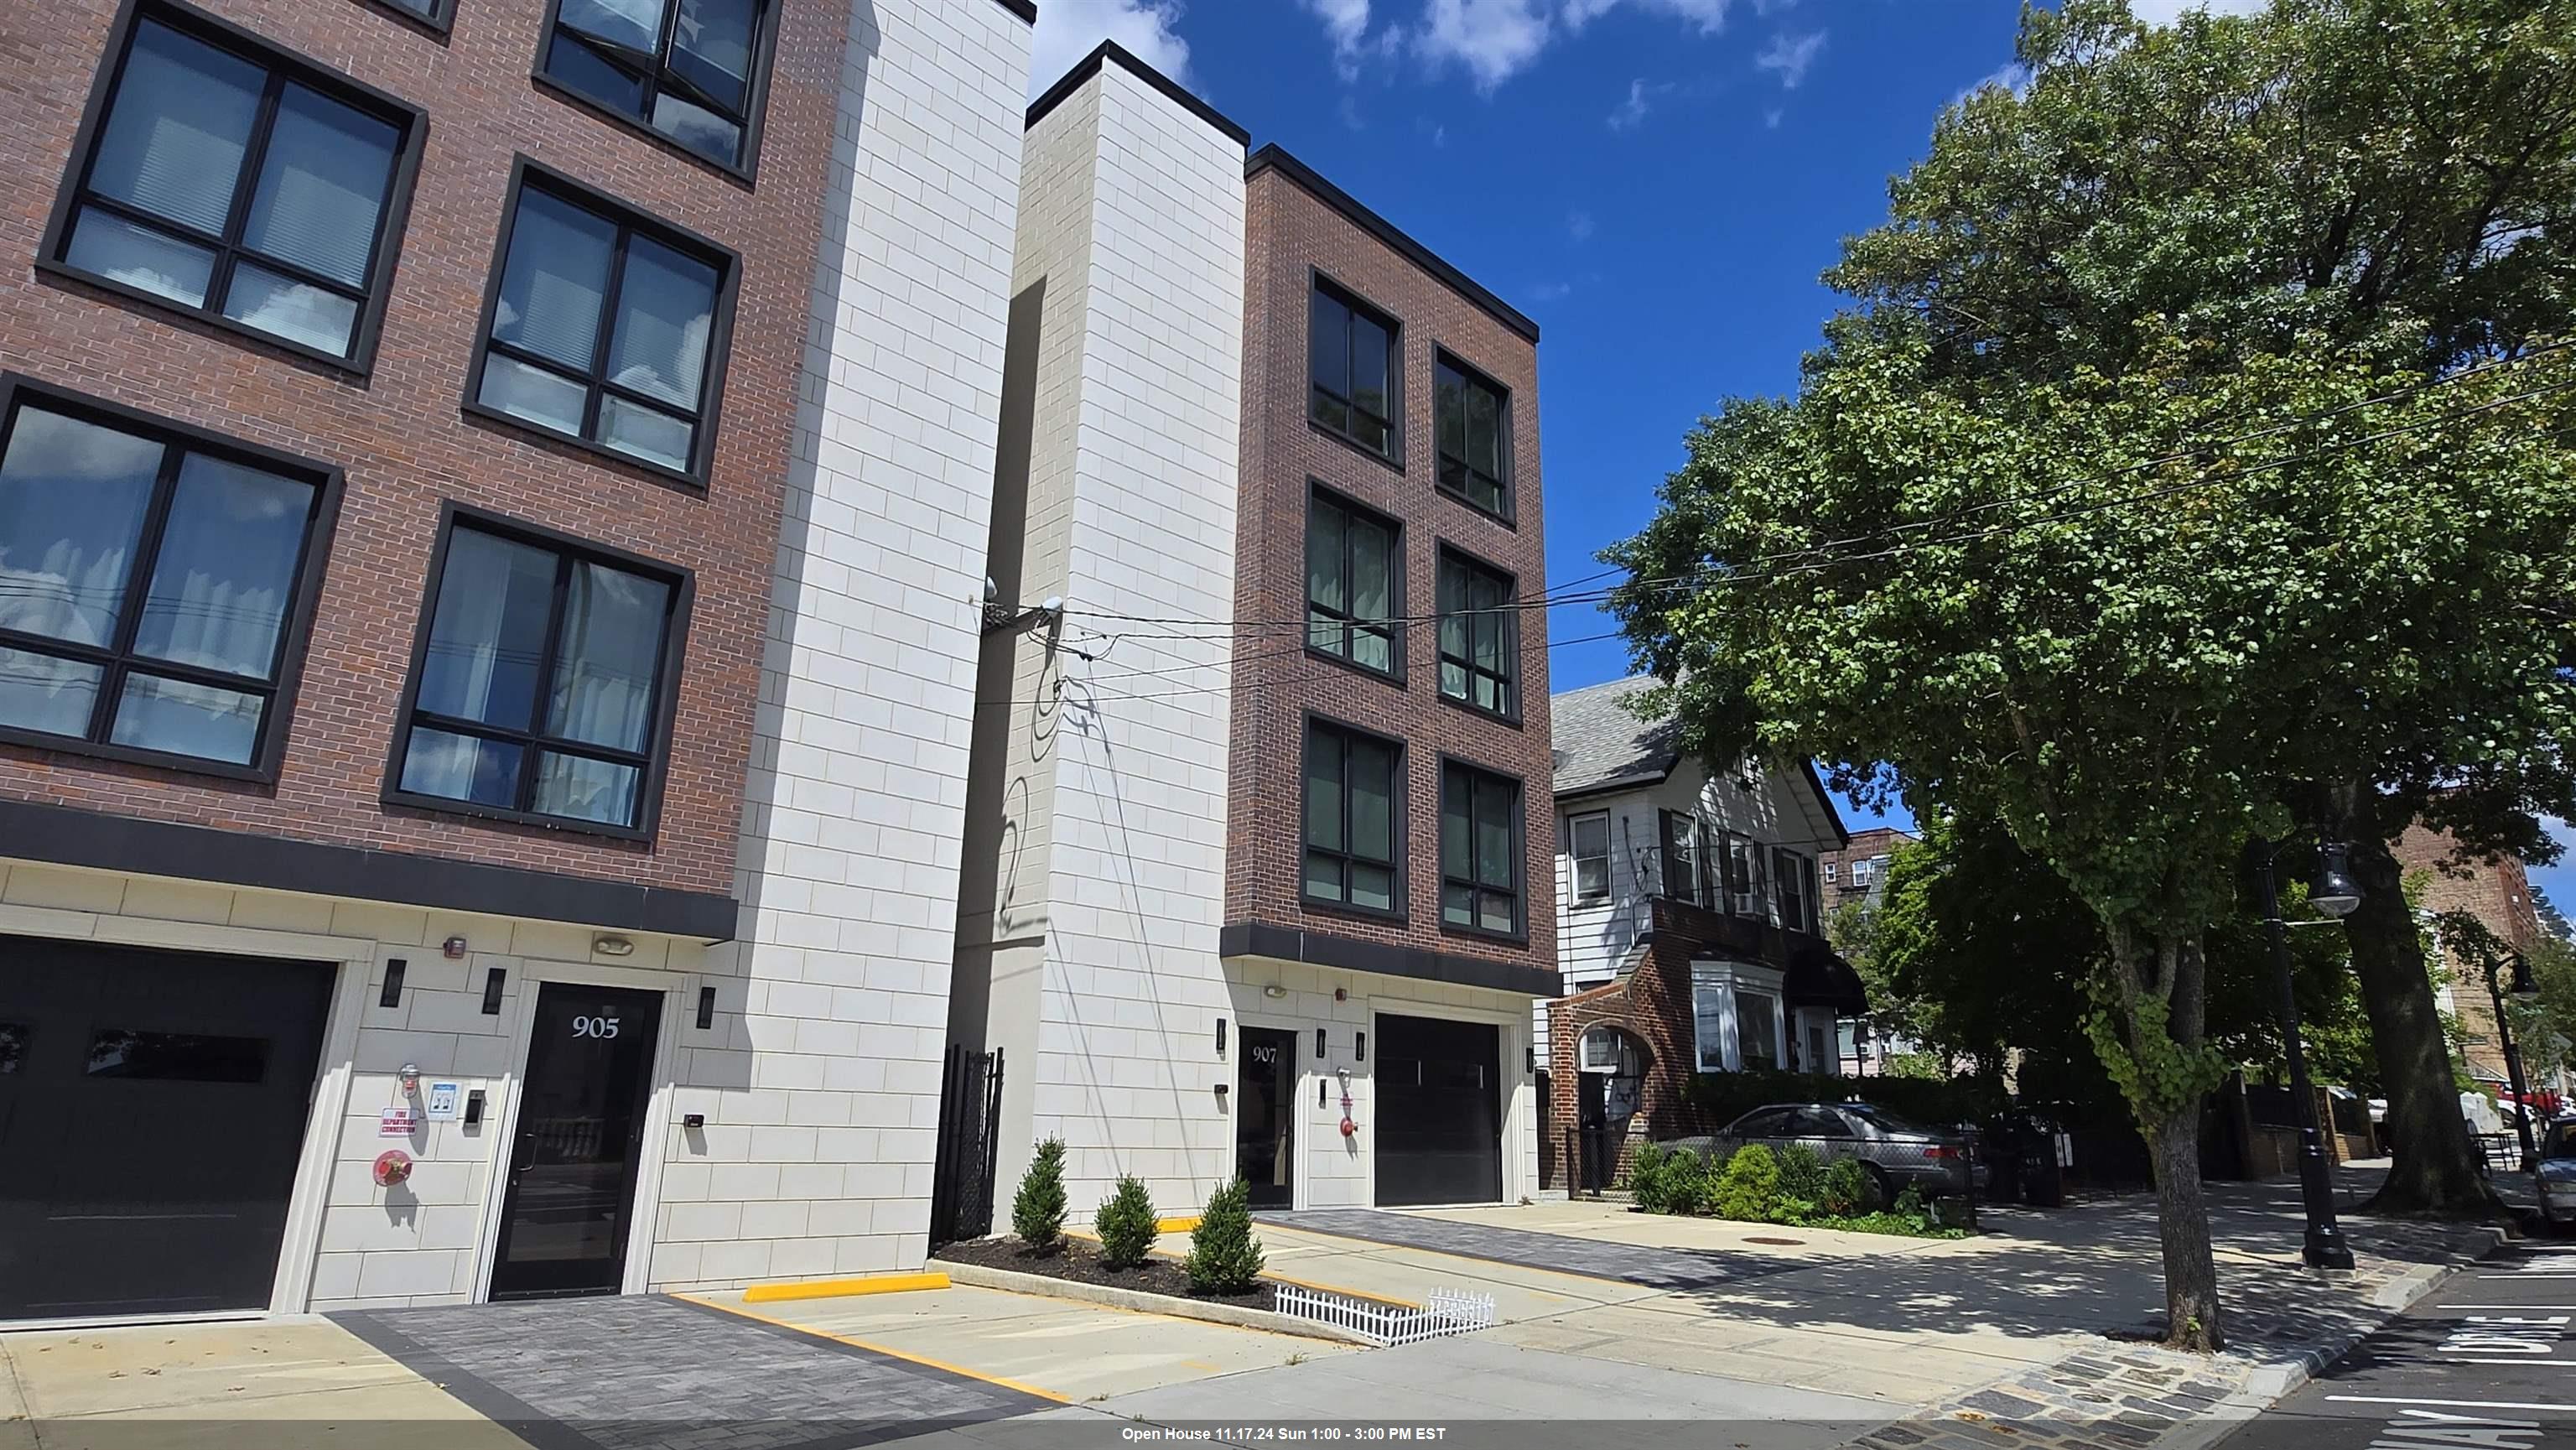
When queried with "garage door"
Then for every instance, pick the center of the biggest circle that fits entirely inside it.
(152, 1106)
(1439, 1111)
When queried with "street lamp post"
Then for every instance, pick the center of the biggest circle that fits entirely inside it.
(2523, 990)
(2335, 895)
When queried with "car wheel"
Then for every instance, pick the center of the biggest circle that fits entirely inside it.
(1879, 1180)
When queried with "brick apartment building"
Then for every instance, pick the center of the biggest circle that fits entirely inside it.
(2498, 893)
(1858, 872)
(1258, 859)
(460, 466)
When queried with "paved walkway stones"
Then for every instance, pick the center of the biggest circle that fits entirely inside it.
(647, 1372)
(1649, 1268)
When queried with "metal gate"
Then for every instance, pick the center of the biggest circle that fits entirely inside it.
(970, 1116)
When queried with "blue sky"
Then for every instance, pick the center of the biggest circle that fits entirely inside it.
(1657, 182)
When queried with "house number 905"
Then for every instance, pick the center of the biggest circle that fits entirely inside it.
(601, 1027)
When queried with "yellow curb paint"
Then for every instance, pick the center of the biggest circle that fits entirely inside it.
(875, 1348)
(1176, 1225)
(840, 1288)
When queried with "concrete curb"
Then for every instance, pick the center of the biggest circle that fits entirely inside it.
(1109, 1296)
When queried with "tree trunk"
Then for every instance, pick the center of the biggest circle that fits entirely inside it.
(2182, 1228)
(2434, 1162)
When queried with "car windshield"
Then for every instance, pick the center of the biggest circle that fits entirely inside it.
(1882, 1119)
(2561, 1142)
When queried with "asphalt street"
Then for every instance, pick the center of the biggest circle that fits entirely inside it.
(2489, 1360)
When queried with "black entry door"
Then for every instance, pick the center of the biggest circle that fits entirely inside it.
(580, 1142)
(1439, 1111)
(1265, 1124)
(152, 1108)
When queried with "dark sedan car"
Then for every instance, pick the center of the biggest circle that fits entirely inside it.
(1895, 1152)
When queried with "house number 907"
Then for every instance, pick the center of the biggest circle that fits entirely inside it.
(600, 1027)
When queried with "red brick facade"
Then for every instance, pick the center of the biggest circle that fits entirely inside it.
(1834, 867)
(399, 433)
(2498, 894)
(1292, 233)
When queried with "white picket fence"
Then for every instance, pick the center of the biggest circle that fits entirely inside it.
(1387, 1324)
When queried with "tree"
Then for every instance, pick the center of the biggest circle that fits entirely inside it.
(1225, 1254)
(2392, 178)
(1037, 1210)
(2130, 594)
(1126, 1224)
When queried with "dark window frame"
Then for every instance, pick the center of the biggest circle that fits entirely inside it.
(764, 47)
(1788, 875)
(1444, 555)
(1399, 800)
(653, 762)
(1319, 280)
(438, 23)
(1700, 836)
(281, 65)
(1398, 634)
(526, 171)
(1520, 889)
(1442, 356)
(1574, 856)
(295, 632)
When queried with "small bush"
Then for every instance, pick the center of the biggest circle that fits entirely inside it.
(1125, 1224)
(1037, 1210)
(1748, 1188)
(1225, 1256)
(1848, 1189)
(1802, 1180)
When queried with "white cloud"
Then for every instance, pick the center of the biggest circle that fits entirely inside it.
(1708, 15)
(1772, 117)
(1069, 29)
(1493, 39)
(1790, 56)
(1351, 113)
(1626, 115)
(2166, 12)
(2014, 77)
(1579, 225)
(1550, 291)
(1347, 23)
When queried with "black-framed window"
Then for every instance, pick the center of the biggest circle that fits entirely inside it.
(1354, 830)
(1475, 455)
(1353, 369)
(1789, 875)
(240, 184)
(1479, 658)
(606, 327)
(541, 687)
(1587, 843)
(1745, 892)
(436, 14)
(1684, 842)
(1354, 583)
(689, 70)
(154, 585)
(1480, 849)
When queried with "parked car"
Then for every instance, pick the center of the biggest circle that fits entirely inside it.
(1895, 1153)
(2558, 1174)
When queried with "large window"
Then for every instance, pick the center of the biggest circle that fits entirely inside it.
(150, 584)
(1473, 453)
(1744, 877)
(605, 327)
(1757, 1030)
(1480, 849)
(541, 689)
(1354, 584)
(1478, 662)
(1685, 878)
(689, 70)
(1351, 357)
(1789, 870)
(1587, 841)
(1354, 823)
(243, 186)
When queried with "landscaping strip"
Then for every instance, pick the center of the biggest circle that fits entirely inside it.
(1210, 1310)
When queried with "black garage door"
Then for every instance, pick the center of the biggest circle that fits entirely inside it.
(152, 1106)
(1439, 1111)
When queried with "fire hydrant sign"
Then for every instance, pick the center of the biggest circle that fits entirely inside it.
(394, 1123)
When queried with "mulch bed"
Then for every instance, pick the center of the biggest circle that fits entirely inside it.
(1079, 1262)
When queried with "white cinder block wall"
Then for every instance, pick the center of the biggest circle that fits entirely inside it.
(1106, 981)
(820, 1078)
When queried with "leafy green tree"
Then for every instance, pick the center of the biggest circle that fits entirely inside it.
(1126, 1224)
(1225, 1254)
(2391, 179)
(1037, 1210)
(2153, 494)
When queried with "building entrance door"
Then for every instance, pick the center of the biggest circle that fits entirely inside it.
(1265, 1124)
(580, 1142)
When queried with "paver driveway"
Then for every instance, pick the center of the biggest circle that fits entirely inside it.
(646, 1372)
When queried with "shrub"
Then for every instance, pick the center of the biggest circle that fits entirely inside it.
(1125, 1224)
(1037, 1210)
(1802, 1180)
(1748, 1188)
(1848, 1189)
(1224, 1254)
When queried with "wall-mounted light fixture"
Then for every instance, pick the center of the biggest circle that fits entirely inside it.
(1359, 1046)
(706, 1008)
(453, 948)
(1319, 1042)
(392, 994)
(492, 983)
(612, 946)
(1220, 1038)
(1274, 991)
(1341, 994)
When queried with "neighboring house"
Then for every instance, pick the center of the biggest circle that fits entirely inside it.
(2497, 891)
(1857, 874)
(559, 789)
(1691, 935)
(1257, 859)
